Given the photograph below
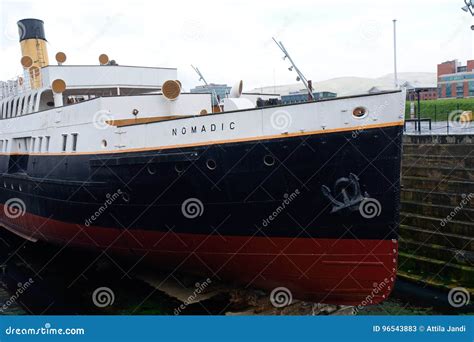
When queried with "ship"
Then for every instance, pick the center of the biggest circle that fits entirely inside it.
(303, 197)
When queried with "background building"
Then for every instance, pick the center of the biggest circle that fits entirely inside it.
(425, 91)
(455, 80)
(220, 91)
(302, 96)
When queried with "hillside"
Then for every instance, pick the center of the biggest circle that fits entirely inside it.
(354, 85)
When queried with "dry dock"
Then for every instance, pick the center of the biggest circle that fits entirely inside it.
(437, 211)
(436, 254)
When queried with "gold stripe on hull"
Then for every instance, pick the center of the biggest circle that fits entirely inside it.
(219, 142)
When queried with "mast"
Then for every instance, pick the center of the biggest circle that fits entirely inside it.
(201, 77)
(395, 74)
(293, 66)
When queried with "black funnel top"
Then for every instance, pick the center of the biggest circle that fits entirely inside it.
(31, 29)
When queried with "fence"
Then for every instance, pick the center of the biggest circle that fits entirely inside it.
(441, 117)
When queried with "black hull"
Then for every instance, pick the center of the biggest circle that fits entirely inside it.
(238, 195)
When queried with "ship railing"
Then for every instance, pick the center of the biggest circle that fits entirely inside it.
(15, 87)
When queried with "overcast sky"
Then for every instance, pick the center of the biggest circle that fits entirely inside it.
(231, 39)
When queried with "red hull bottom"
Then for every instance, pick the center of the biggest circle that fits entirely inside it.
(337, 271)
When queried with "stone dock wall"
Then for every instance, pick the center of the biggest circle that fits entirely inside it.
(437, 211)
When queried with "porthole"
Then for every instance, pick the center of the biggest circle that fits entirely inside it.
(104, 143)
(4, 185)
(268, 160)
(20, 188)
(12, 187)
(359, 112)
(211, 164)
(151, 169)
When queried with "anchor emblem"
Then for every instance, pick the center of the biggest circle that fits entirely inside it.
(347, 194)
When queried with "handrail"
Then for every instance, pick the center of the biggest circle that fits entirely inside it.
(15, 87)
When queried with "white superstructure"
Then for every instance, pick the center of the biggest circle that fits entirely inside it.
(109, 108)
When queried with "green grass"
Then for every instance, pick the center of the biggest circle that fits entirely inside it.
(439, 110)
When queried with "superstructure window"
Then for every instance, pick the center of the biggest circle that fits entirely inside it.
(28, 103)
(24, 105)
(10, 108)
(74, 142)
(33, 142)
(34, 105)
(48, 138)
(21, 103)
(64, 142)
(16, 106)
(40, 143)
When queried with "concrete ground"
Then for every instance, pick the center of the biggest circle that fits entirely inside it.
(441, 127)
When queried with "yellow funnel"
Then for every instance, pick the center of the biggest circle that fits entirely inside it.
(33, 45)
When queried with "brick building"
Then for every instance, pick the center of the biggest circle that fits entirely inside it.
(425, 91)
(456, 80)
